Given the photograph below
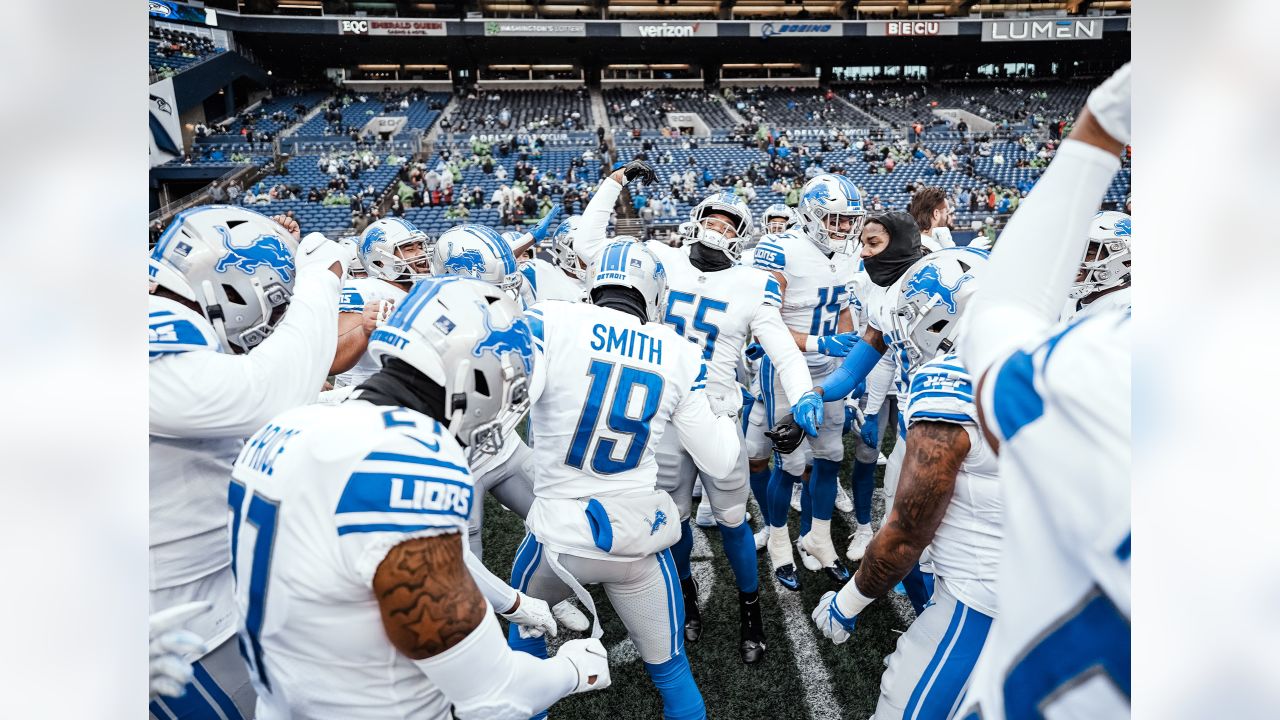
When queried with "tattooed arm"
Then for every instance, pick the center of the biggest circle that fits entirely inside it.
(429, 601)
(935, 452)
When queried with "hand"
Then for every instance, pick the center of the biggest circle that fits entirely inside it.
(591, 661)
(539, 231)
(871, 430)
(754, 351)
(837, 345)
(316, 250)
(853, 418)
(1111, 105)
(639, 169)
(808, 413)
(533, 617)
(289, 224)
(374, 314)
(170, 645)
(830, 621)
(786, 435)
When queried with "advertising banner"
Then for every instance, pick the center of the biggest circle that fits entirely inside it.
(795, 30)
(668, 29)
(166, 130)
(391, 27)
(1028, 30)
(913, 28)
(522, 28)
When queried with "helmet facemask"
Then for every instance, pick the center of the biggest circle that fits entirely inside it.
(1106, 265)
(820, 229)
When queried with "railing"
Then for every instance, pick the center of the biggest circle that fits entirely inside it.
(248, 175)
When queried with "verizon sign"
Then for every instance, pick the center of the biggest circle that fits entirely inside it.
(669, 30)
(1026, 30)
(913, 28)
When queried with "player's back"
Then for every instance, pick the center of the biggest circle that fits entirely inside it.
(549, 282)
(715, 310)
(355, 294)
(612, 385)
(318, 497)
(817, 287)
(1061, 411)
(966, 547)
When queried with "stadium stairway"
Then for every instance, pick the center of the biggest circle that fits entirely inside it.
(599, 113)
(731, 111)
(433, 134)
(319, 108)
(872, 121)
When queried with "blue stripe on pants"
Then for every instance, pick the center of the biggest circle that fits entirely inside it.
(675, 600)
(216, 692)
(939, 687)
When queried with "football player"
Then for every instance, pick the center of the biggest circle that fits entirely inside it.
(563, 255)
(348, 525)
(719, 305)
(225, 356)
(1104, 277)
(545, 280)
(947, 505)
(598, 516)
(777, 218)
(394, 254)
(813, 264)
(1054, 401)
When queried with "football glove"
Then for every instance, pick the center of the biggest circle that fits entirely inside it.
(754, 351)
(871, 430)
(639, 169)
(533, 617)
(808, 413)
(539, 231)
(170, 646)
(837, 345)
(832, 623)
(316, 250)
(591, 661)
(853, 418)
(786, 435)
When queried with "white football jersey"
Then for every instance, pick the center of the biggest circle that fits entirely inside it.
(817, 288)
(549, 282)
(1116, 300)
(1060, 409)
(318, 498)
(612, 387)
(966, 548)
(355, 294)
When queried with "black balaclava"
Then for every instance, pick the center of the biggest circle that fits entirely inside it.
(624, 299)
(399, 383)
(708, 259)
(903, 250)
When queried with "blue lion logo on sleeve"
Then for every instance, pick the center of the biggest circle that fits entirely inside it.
(374, 235)
(467, 262)
(928, 282)
(267, 250)
(515, 339)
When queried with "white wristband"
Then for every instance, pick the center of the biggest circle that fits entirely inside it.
(850, 601)
(811, 344)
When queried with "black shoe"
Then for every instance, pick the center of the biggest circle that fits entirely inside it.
(838, 573)
(692, 616)
(787, 576)
(750, 627)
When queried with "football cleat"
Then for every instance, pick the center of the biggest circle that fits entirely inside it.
(787, 577)
(750, 627)
(843, 502)
(838, 573)
(858, 542)
(762, 538)
(692, 616)
(811, 563)
(570, 617)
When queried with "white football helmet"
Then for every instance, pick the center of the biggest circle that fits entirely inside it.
(1110, 238)
(562, 248)
(714, 232)
(480, 252)
(377, 248)
(472, 340)
(236, 265)
(625, 262)
(777, 218)
(831, 198)
(931, 295)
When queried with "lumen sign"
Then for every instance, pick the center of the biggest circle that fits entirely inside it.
(1029, 30)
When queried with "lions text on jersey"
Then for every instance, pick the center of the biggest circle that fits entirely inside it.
(318, 497)
(1060, 408)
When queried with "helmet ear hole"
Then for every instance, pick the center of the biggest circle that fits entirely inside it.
(481, 383)
(233, 295)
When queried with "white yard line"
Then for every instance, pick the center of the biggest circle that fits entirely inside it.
(815, 681)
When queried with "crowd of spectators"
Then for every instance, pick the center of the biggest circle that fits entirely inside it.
(521, 110)
(647, 109)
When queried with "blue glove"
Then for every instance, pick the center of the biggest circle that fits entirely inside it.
(539, 231)
(850, 415)
(754, 351)
(808, 413)
(837, 345)
(859, 390)
(871, 431)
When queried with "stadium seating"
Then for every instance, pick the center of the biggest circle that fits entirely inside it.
(172, 51)
(260, 119)
(1009, 101)
(305, 174)
(531, 109)
(422, 111)
(647, 109)
(796, 108)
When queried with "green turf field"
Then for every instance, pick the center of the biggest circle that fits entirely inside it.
(821, 680)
